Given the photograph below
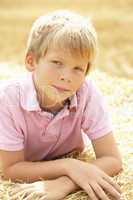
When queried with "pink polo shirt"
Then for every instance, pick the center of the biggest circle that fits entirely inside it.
(43, 135)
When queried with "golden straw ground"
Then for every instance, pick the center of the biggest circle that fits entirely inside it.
(119, 94)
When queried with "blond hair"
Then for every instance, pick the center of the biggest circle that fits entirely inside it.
(64, 29)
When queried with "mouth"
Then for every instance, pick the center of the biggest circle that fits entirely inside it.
(61, 89)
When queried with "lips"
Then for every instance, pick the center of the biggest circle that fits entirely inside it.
(60, 88)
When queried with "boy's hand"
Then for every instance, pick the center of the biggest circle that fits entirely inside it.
(47, 190)
(92, 179)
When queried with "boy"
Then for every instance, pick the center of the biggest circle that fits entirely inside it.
(42, 115)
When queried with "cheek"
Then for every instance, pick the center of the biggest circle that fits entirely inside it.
(77, 81)
(78, 78)
(50, 71)
(51, 75)
(47, 74)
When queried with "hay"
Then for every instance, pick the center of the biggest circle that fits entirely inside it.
(119, 94)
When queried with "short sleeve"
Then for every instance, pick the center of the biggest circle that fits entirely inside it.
(11, 139)
(96, 120)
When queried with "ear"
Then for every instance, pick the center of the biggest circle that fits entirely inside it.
(30, 61)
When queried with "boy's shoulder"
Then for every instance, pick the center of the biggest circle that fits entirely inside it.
(89, 87)
(10, 89)
(90, 93)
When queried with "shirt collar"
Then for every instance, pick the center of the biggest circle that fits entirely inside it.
(28, 96)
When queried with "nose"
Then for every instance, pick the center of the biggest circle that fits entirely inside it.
(65, 76)
(64, 79)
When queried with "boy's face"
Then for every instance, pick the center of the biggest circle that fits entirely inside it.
(58, 68)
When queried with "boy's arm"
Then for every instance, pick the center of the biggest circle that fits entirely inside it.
(108, 158)
(14, 167)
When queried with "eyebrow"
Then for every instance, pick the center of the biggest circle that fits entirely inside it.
(62, 60)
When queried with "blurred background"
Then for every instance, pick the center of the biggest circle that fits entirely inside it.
(113, 21)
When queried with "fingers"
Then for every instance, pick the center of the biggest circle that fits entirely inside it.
(30, 196)
(115, 185)
(99, 191)
(33, 194)
(90, 192)
(108, 187)
(96, 190)
(27, 191)
(23, 193)
(18, 189)
(44, 197)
